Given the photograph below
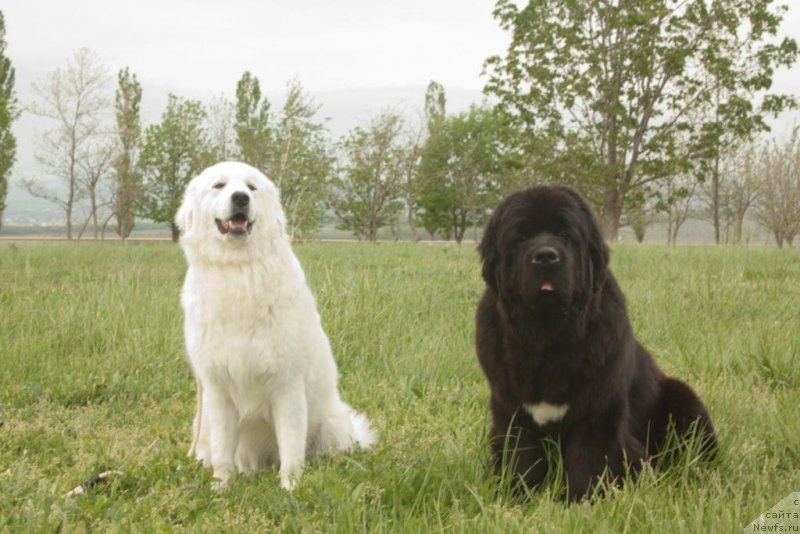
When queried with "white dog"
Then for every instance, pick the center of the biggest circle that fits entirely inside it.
(266, 378)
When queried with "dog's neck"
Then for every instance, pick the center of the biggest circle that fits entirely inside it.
(210, 255)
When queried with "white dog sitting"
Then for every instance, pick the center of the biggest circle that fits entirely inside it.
(266, 378)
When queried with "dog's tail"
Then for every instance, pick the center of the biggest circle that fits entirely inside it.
(365, 436)
(343, 429)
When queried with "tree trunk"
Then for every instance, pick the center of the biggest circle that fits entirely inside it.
(412, 225)
(738, 228)
(373, 231)
(461, 226)
(715, 199)
(93, 198)
(69, 224)
(612, 212)
(83, 228)
(675, 228)
(105, 227)
(176, 232)
(669, 226)
(778, 239)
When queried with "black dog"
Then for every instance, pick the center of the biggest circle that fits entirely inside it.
(555, 343)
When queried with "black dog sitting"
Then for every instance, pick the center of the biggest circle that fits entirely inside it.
(556, 345)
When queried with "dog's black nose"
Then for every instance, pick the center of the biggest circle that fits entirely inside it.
(546, 255)
(240, 199)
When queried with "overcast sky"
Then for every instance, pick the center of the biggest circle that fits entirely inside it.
(329, 45)
(354, 56)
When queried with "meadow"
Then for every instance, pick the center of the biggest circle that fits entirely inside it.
(93, 377)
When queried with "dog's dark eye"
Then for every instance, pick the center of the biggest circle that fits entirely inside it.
(219, 185)
(565, 236)
(251, 187)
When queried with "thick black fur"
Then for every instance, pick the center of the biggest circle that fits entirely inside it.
(570, 345)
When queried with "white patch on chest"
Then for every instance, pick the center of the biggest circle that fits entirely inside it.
(544, 412)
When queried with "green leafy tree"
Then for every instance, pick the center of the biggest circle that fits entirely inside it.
(173, 152)
(460, 171)
(433, 219)
(300, 162)
(8, 113)
(129, 133)
(252, 122)
(435, 106)
(367, 192)
(290, 147)
(608, 87)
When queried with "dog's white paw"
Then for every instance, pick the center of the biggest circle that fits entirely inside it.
(289, 484)
(219, 485)
(290, 475)
(222, 476)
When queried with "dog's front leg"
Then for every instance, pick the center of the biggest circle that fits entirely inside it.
(223, 421)
(290, 413)
(592, 452)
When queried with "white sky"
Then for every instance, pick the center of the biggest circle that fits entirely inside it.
(329, 45)
(354, 56)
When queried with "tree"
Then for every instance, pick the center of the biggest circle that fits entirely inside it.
(8, 113)
(173, 152)
(459, 170)
(129, 134)
(613, 83)
(410, 151)
(366, 193)
(96, 163)
(778, 205)
(252, 122)
(433, 220)
(435, 107)
(222, 127)
(289, 147)
(740, 186)
(74, 98)
(640, 214)
(679, 195)
(300, 162)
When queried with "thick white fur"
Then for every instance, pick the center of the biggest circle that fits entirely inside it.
(266, 378)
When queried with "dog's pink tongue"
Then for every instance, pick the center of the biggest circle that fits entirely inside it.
(547, 286)
(238, 224)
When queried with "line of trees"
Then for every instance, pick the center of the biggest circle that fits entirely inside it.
(649, 107)
(113, 169)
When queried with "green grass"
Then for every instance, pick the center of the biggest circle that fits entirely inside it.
(93, 377)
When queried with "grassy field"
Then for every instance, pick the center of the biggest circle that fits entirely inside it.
(93, 377)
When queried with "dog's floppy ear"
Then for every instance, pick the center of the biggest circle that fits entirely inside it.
(598, 250)
(488, 250)
(184, 219)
